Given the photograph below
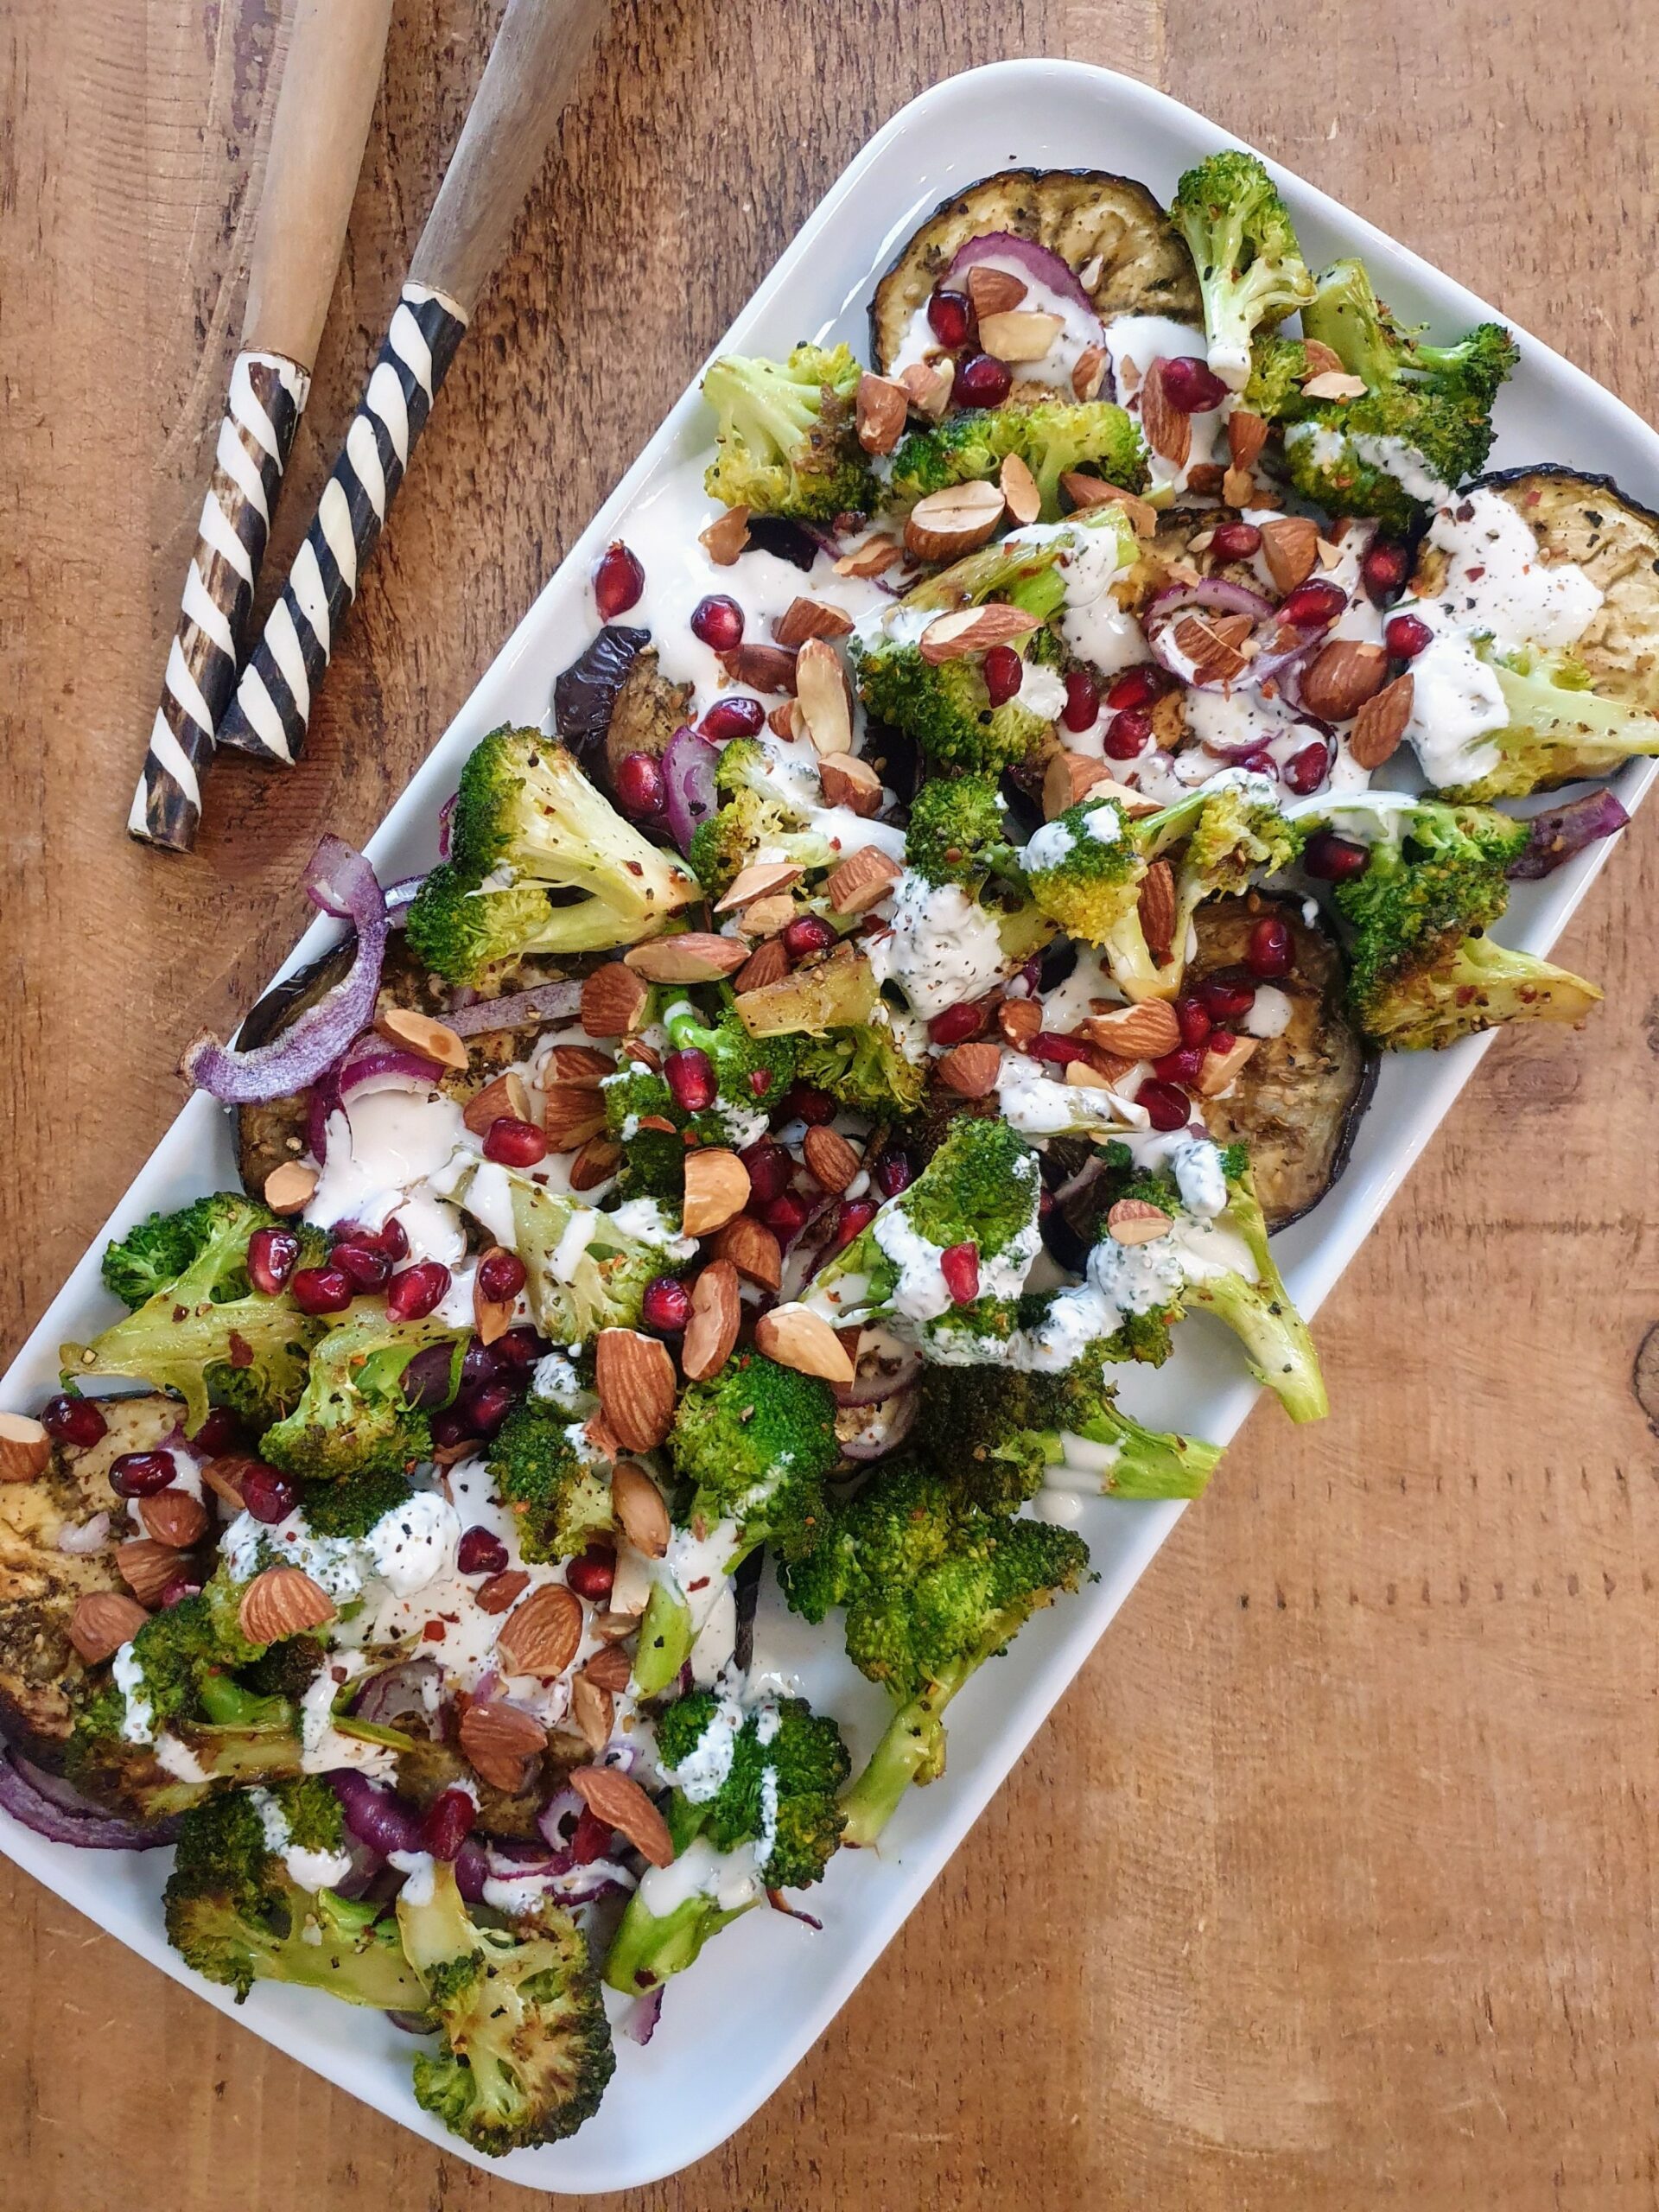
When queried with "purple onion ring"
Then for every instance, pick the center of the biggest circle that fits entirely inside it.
(1557, 834)
(49, 1808)
(689, 767)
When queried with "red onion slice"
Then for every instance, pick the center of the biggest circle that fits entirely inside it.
(49, 1808)
(396, 1691)
(386, 1066)
(1215, 593)
(689, 768)
(1036, 262)
(1556, 836)
(885, 1425)
(545, 1003)
(341, 882)
(638, 2022)
(898, 1367)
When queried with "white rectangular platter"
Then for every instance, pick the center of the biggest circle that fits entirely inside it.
(761, 1995)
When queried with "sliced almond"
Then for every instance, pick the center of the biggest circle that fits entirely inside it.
(1065, 781)
(849, 781)
(973, 630)
(1319, 359)
(927, 387)
(1290, 546)
(874, 558)
(1089, 374)
(634, 1375)
(611, 1628)
(1342, 677)
(1025, 501)
(1101, 1070)
(694, 956)
(575, 1063)
(623, 1805)
(500, 1593)
(830, 1157)
(716, 1187)
(1168, 431)
(613, 1000)
(492, 1317)
(821, 695)
(1091, 272)
(542, 1634)
(1020, 333)
(766, 917)
(102, 1622)
(1246, 436)
(1211, 643)
(993, 291)
(502, 1743)
(763, 667)
(768, 963)
(1146, 1032)
(1020, 1020)
(1156, 905)
(505, 1094)
(148, 1567)
(1380, 724)
(175, 1518)
(716, 1314)
(726, 536)
(1334, 385)
(759, 881)
(946, 524)
(753, 1250)
(971, 1069)
(25, 1448)
(1220, 1068)
(785, 721)
(419, 1033)
(1238, 487)
(640, 1513)
(610, 1669)
(594, 1710)
(880, 411)
(224, 1477)
(290, 1187)
(809, 618)
(595, 1162)
(1205, 478)
(283, 1602)
(1136, 1221)
(863, 878)
(1087, 491)
(571, 1114)
(795, 1338)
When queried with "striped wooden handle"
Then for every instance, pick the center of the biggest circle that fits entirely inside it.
(268, 393)
(272, 705)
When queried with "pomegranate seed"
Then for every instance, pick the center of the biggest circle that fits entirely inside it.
(478, 1365)
(956, 1024)
(718, 621)
(1167, 1108)
(367, 1270)
(1194, 1018)
(591, 1575)
(447, 1823)
(982, 381)
(1332, 859)
(853, 1218)
(770, 1169)
(268, 1494)
(271, 1256)
(487, 1408)
(1127, 735)
(393, 1240)
(666, 1306)
(1004, 672)
(1190, 387)
(690, 1075)
(959, 1265)
(69, 1419)
(591, 1837)
(617, 581)
(520, 1347)
(480, 1551)
(1313, 604)
(1235, 541)
(786, 1216)
(640, 788)
(1222, 1042)
(804, 1102)
(894, 1172)
(807, 934)
(1384, 569)
(501, 1276)
(450, 1427)
(177, 1590)
(142, 1474)
(1180, 1067)
(221, 1431)
(760, 1082)
(951, 317)
(1044, 1204)
(1406, 637)
(321, 1290)
(1136, 687)
(1082, 700)
(1227, 996)
(514, 1143)
(1269, 953)
(1049, 1045)
(740, 716)
(417, 1291)
(1305, 771)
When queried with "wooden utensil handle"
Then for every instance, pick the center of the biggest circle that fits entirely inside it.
(268, 715)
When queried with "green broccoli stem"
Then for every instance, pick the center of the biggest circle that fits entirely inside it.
(911, 1750)
(648, 1949)
(1275, 1337)
(666, 1641)
(1151, 1464)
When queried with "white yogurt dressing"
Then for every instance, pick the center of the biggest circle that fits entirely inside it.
(1079, 328)
(944, 946)
(306, 1869)
(731, 1878)
(390, 1140)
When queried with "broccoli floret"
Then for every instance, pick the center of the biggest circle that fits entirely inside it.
(980, 1190)
(783, 1766)
(993, 1432)
(1278, 370)
(1345, 314)
(540, 863)
(932, 1588)
(643, 1115)
(749, 824)
(958, 832)
(206, 1323)
(526, 2050)
(1559, 729)
(352, 1507)
(545, 1469)
(756, 1441)
(353, 1418)
(867, 1070)
(576, 1291)
(1251, 273)
(750, 1073)
(787, 443)
(237, 1915)
(1420, 974)
(1052, 438)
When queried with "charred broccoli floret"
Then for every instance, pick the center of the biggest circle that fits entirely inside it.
(869, 1069)
(1559, 727)
(351, 1508)
(353, 1418)
(1053, 437)
(787, 441)
(544, 1468)
(958, 832)
(755, 1441)
(770, 804)
(1251, 273)
(526, 2050)
(587, 1270)
(1345, 314)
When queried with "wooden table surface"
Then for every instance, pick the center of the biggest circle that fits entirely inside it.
(1331, 1883)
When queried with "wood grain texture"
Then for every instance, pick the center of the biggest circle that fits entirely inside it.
(1333, 1883)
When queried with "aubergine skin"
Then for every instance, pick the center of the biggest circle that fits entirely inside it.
(613, 696)
(1298, 1100)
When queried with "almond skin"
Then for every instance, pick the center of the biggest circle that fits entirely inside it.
(1168, 432)
(811, 617)
(1212, 643)
(927, 387)
(579, 1066)
(1146, 1032)
(971, 1069)
(862, 879)
(1019, 1020)
(830, 1157)
(147, 1568)
(634, 1375)
(640, 1513)
(874, 558)
(726, 536)
(500, 1593)
(1156, 904)
(880, 412)
(506, 1094)
(716, 1316)
(419, 1033)
(223, 1476)
(716, 1187)
(1067, 778)
(624, 1806)
(768, 963)
(767, 917)
(571, 1113)
(820, 693)
(102, 1622)
(796, 1338)
(612, 999)
(759, 881)
(849, 781)
(1380, 724)
(1290, 546)
(1089, 374)
(541, 1635)
(946, 524)
(595, 1162)
(1086, 491)
(290, 1187)
(993, 291)
(25, 1448)
(283, 1602)
(1136, 1221)
(175, 1518)
(594, 1710)
(694, 956)
(1246, 436)
(1343, 675)
(502, 1743)
(973, 630)
(761, 668)
(610, 1669)
(752, 1249)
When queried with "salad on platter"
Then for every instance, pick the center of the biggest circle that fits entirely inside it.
(947, 923)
